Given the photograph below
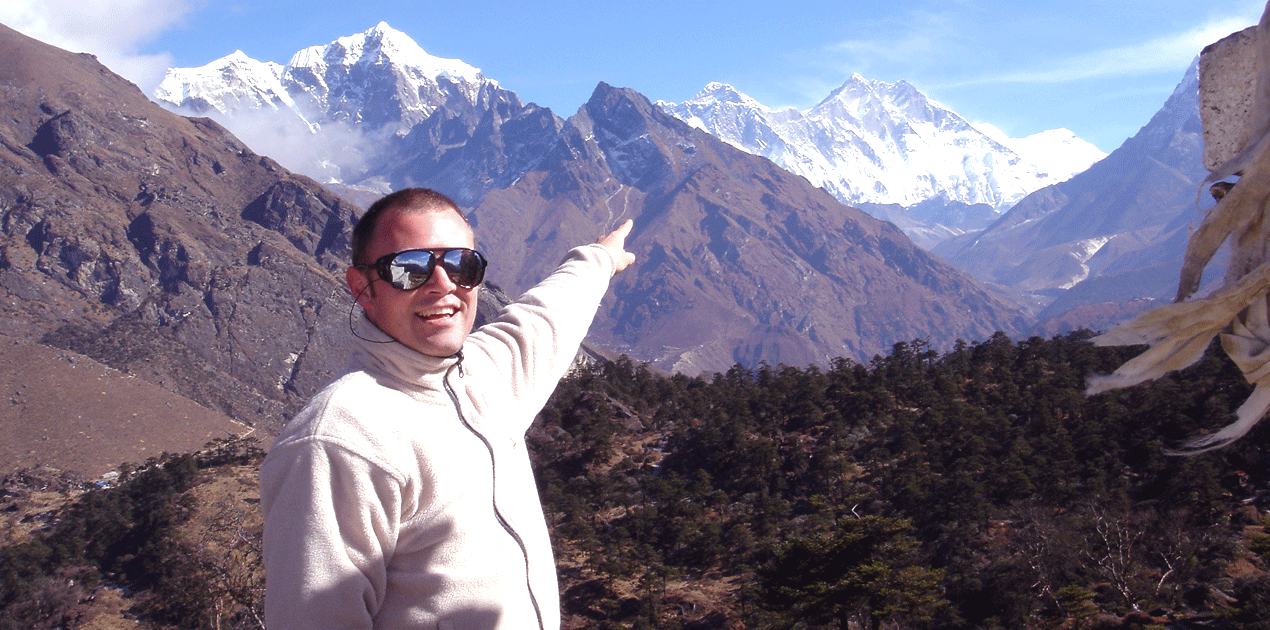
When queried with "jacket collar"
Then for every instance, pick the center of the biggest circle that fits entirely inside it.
(379, 354)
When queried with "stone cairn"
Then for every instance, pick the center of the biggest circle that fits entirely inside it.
(1235, 109)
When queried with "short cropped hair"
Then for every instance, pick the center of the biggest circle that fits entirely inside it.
(404, 200)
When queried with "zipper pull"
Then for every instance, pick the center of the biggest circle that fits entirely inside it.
(459, 354)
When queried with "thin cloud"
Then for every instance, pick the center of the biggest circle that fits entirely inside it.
(1161, 54)
(824, 67)
(114, 30)
(927, 35)
(935, 45)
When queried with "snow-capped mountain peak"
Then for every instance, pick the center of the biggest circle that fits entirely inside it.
(381, 77)
(730, 115)
(862, 99)
(1059, 153)
(724, 93)
(233, 82)
(377, 79)
(384, 45)
(853, 92)
(873, 142)
(331, 96)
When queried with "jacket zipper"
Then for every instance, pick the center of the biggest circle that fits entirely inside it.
(520, 542)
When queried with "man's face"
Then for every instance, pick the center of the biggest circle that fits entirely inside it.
(432, 319)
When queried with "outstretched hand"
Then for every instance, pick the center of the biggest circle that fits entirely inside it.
(615, 242)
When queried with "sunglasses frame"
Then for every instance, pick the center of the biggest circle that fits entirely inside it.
(383, 266)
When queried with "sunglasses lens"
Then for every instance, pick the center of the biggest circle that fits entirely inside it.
(411, 269)
(466, 267)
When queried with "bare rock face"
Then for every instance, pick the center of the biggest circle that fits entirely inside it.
(162, 245)
(1113, 233)
(738, 260)
(465, 152)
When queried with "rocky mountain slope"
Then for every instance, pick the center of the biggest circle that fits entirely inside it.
(161, 245)
(742, 262)
(70, 413)
(1112, 234)
(739, 260)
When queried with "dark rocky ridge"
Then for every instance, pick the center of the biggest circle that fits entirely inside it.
(739, 260)
(468, 151)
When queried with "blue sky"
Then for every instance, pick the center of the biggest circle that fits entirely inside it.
(1100, 68)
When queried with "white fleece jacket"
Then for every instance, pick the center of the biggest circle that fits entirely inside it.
(387, 507)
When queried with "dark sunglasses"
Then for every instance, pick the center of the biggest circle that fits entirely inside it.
(410, 269)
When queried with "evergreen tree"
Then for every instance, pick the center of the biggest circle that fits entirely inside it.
(866, 570)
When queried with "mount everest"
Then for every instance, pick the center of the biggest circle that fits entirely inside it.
(892, 151)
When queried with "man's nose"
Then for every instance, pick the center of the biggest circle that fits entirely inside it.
(439, 281)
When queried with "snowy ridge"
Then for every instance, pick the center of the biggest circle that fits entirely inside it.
(232, 83)
(882, 143)
(384, 44)
(381, 77)
(1059, 153)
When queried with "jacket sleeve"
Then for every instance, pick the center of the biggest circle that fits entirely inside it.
(533, 340)
(331, 524)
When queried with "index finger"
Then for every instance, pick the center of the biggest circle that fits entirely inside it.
(618, 236)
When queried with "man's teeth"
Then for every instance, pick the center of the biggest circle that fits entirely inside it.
(438, 312)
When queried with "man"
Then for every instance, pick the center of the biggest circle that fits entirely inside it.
(401, 496)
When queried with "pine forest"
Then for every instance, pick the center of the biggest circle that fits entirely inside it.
(977, 488)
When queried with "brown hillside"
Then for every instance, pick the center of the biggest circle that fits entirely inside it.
(737, 260)
(162, 245)
(69, 412)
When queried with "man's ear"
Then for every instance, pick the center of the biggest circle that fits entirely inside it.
(360, 286)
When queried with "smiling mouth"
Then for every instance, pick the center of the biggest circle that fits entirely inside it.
(438, 313)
